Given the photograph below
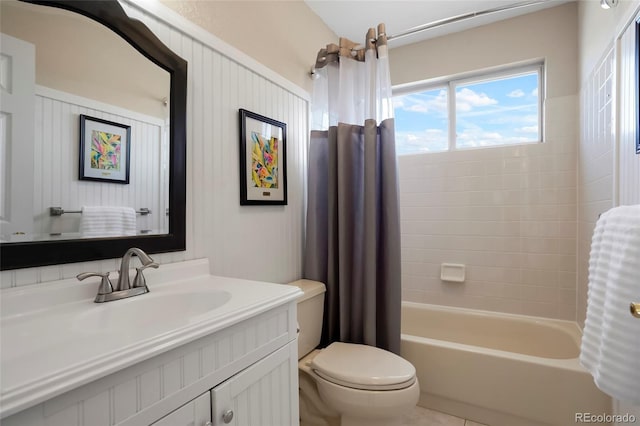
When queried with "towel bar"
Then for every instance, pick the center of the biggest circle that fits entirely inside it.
(59, 211)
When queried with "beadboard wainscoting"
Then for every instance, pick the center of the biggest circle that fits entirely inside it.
(628, 160)
(253, 242)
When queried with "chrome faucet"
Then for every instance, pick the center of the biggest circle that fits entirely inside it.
(123, 289)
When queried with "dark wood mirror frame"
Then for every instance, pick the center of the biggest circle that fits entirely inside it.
(41, 253)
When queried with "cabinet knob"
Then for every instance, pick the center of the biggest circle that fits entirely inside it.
(227, 416)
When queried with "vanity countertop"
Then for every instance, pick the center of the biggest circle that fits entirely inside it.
(54, 338)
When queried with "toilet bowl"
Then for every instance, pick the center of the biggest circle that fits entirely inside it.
(348, 384)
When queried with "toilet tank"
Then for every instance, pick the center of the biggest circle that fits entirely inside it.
(310, 312)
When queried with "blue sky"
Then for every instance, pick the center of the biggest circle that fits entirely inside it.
(495, 112)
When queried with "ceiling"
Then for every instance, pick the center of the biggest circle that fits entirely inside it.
(352, 18)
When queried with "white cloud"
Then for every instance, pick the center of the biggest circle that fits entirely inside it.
(534, 92)
(422, 103)
(528, 129)
(530, 119)
(505, 114)
(398, 102)
(477, 137)
(428, 140)
(516, 94)
(466, 99)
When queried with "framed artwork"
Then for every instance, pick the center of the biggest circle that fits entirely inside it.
(104, 150)
(263, 160)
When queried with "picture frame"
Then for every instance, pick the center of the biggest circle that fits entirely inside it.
(105, 148)
(263, 160)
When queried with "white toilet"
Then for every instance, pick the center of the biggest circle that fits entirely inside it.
(346, 384)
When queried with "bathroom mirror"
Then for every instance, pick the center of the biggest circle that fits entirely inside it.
(21, 250)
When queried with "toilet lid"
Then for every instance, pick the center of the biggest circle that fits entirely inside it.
(363, 367)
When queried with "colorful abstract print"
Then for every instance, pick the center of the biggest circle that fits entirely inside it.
(105, 150)
(264, 161)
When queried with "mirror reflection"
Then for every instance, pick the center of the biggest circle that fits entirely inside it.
(56, 67)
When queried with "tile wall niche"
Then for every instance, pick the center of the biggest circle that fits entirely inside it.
(507, 213)
(263, 242)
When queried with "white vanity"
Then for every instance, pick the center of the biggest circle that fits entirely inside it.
(197, 350)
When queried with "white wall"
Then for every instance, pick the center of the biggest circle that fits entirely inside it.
(508, 213)
(597, 30)
(608, 165)
(550, 34)
(283, 35)
(628, 189)
(609, 168)
(262, 243)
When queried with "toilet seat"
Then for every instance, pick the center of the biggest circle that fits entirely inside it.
(363, 367)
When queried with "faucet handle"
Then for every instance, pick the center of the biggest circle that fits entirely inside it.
(105, 284)
(140, 280)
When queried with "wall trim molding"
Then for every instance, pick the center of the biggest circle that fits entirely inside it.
(634, 13)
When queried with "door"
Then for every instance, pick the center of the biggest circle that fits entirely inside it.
(194, 413)
(17, 91)
(265, 394)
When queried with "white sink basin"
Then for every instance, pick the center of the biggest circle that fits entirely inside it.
(151, 311)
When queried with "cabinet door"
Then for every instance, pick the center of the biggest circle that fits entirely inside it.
(194, 413)
(265, 394)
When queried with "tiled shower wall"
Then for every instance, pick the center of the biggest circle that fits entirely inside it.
(507, 213)
(596, 153)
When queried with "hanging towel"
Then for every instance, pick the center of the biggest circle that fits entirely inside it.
(610, 348)
(107, 221)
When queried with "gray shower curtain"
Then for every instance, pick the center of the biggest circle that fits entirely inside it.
(353, 232)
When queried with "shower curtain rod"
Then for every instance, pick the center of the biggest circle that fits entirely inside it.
(453, 19)
(463, 17)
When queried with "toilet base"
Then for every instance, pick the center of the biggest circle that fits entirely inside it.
(313, 412)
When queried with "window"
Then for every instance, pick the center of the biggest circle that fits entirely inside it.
(492, 109)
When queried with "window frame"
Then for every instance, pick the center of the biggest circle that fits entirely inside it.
(452, 82)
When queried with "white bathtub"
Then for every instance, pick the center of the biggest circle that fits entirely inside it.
(499, 369)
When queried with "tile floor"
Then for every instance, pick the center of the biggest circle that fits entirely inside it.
(425, 417)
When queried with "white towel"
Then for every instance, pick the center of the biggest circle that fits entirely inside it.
(107, 221)
(610, 348)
